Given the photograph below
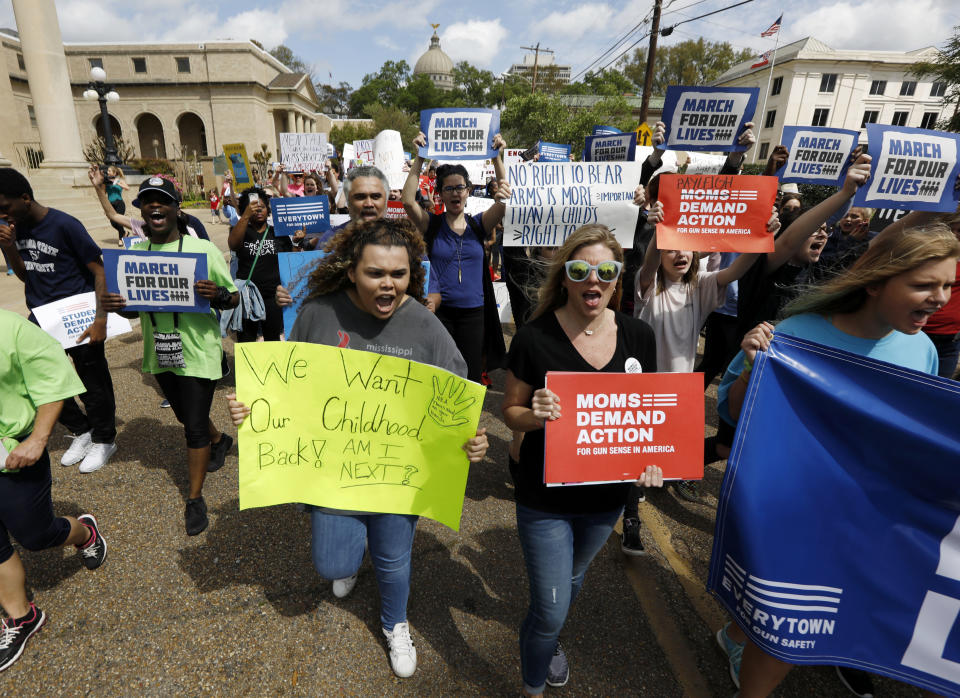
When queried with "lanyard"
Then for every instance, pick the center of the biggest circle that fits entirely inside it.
(176, 316)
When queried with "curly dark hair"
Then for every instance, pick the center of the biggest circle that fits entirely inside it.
(445, 171)
(345, 249)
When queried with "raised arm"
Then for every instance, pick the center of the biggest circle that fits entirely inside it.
(238, 231)
(408, 196)
(741, 264)
(776, 160)
(651, 258)
(96, 179)
(655, 158)
(493, 215)
(735, 158)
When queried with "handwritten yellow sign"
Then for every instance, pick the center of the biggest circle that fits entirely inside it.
(353, 430)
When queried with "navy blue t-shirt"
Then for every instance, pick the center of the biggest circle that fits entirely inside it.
(56, 252)
(197, 226)
(457, 264)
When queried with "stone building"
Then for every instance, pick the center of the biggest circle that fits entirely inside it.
(435, 64)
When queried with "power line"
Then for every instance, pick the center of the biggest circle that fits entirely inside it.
(611, 49)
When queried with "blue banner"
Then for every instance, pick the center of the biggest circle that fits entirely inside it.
(553, 152)
(605, 130)
(459, 134)
(707, 118)
(291, 214)
(837, 538)
(818, 155)
(614, 148)
(155, 281)
(912, 168)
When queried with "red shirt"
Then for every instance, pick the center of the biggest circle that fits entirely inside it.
(947, 319)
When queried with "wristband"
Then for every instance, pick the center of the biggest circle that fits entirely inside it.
(222, 300)
(747, 363)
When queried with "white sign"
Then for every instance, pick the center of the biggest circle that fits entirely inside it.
(303, 152)
(475, 169)
(503, 301)
(66, 319)
(364, 151)
(477, 204)
(511, 156)
(388, 157)
(348, 155)
(703, 163)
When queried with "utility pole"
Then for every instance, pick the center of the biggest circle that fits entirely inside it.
(536, 60)
(651, 55)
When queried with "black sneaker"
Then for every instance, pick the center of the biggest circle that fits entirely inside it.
(857, 682)
(218, 453)
(196, 516)
(630, 542)
(15, 633)
(94, 551)
(558, 673)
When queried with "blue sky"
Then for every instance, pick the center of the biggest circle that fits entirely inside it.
(349, 38)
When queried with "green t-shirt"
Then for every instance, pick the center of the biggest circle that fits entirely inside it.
(34, 371)
(199, 332)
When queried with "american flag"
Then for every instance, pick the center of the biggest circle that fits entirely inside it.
(774, 28)
(763, 60)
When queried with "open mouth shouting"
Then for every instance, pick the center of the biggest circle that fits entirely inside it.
(918, 318)
(385, 303)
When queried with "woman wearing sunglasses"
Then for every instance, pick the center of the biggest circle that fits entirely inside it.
(561, 529)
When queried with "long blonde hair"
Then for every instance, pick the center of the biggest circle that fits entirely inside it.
(891, 253)
(552, 293)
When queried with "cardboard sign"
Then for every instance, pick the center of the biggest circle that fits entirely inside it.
(388, 157)
(644, 135)
(704, 163)
(605, 130)
(610, 148)
(818, 155)
(310, 213)
(364, 151)
(616, 424)
(459, 134)
(395, 210)
(707, 118)
(716, 213)
(553, 152)
(348, 155)
(303, 152)
(236, 155)
(550, 201)
(912, 168)
(68, 318)
(353, 430)
(512, 156)
(157, 281)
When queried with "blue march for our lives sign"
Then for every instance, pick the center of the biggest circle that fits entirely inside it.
(605, 130)
(818, 155)
(304, 212)
(913, 168)
(157, 281)
(610, 148)
(295, 268)
(553, 152)
(707, 118)
(459, 134)
(837, 538)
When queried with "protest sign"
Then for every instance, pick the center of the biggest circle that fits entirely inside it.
(553, 152)
(834, 556)
(502, 295)
(66, 319)
(551, 200)
(157, 281)
(219, 165)
(353, 430)
(459, 134)
(348, 155)
(395, 210)
(474, 168)
(605, 130)
(912, 168)
(644, 134)
(818, 155)
(612, 148)
(704, 163)
(882, 217)
(364, 151)
(338, 219)
(303, 152)
(388, 157)
(477, 204)
(716, 213)
(616, 424)
(236, 155)
(707, 118)
(310, 213)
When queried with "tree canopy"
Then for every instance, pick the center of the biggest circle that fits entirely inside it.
(691, 62)
(946, 68)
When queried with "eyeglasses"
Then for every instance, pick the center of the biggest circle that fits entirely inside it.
(579, 270)
(459, 189)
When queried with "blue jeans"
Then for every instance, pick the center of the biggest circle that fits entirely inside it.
(338, 544)
(557, 549)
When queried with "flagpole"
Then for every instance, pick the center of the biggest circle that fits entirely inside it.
(763, 109)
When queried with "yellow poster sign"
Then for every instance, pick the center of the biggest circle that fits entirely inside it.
(236, 154)
(353, 430)
(644, 134)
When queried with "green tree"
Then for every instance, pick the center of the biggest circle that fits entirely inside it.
(609, 83)
(946, 68)
(691, 62)
(392, 117)
(334, 100)
(419, 94)
(382, 87)
(473, 87)
(350, 132)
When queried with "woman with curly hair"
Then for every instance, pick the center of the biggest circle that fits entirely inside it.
(368, 294)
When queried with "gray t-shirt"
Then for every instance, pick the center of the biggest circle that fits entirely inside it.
(412, 332)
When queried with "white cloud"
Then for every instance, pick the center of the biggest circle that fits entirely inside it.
(476, 41)
(267, 27)
(89, 20)
(576, 23)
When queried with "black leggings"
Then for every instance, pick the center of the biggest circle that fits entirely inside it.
(271, 326)
(465, 325)
(191, 398)
(91, 366)
(26, 510)
(120, 207)
(720, 347)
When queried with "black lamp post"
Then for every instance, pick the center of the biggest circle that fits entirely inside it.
(103, 93)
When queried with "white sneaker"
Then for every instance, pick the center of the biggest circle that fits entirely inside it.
(403, 655)
(78, 449)
(97, 457)
(342, 587)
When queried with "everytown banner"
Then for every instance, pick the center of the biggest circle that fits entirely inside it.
(309, 213)
(616, 424)
(716, 213)
(553, 152)
(610, 148)
(551, 200)
(353, 430)
(912, 168)
(707, 118)
(459, 134)
(818, 155)
(161, 282)
(837, 536)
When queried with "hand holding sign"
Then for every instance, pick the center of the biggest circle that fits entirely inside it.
(857, 174)
(447, 408)
(545, 405)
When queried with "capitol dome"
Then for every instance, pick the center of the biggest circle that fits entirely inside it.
(435, 64)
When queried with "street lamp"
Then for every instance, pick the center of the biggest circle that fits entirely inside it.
(103, 93)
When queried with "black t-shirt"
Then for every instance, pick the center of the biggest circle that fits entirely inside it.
(266, 273)
(540, 346)
(761, 296)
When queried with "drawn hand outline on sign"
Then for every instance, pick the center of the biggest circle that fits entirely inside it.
(446, 408)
